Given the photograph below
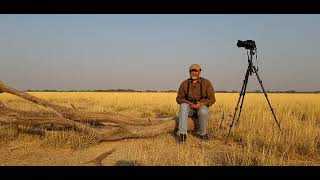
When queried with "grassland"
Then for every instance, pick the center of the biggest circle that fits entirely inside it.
(254, 141)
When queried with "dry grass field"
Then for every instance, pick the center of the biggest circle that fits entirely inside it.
(255, 140)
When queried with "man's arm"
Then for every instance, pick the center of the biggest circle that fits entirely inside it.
(181, 95)
(211, 99)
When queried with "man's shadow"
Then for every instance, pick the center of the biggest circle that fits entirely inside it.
(127, 163)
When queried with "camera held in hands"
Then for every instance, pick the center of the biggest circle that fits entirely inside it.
(193, 102)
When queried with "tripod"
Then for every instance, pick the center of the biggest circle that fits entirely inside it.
(251, 69)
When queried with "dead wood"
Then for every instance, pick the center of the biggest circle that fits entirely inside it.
(107, 126)
(98, 160)
(72, 114)
(74, 107)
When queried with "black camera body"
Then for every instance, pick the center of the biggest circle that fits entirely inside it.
(194, 101)
(248, 44)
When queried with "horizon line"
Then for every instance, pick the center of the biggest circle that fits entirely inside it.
(148, 90)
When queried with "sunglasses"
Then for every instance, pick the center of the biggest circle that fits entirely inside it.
(194, 70)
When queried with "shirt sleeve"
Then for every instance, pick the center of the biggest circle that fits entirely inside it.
(211, 99)
(181, 95)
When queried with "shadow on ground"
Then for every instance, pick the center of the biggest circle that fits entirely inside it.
(127, 163)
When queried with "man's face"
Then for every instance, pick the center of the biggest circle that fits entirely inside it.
(194, 74)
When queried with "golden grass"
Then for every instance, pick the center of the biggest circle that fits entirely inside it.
(258, 141)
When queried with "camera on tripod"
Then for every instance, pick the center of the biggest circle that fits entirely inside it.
(248, 44)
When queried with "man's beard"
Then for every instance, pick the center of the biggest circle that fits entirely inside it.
(194, 77)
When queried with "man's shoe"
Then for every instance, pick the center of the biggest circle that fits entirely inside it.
(203, 137)
(182, 138)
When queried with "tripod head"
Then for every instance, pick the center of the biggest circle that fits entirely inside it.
(249, 45)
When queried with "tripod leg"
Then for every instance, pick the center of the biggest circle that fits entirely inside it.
(236, 109)
(244, 92)
(265, 94)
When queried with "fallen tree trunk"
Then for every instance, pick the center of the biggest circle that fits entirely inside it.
(103, 132)
(72, 114)
(106, 126)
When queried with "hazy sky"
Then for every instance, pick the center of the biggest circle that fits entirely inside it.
(154, 51)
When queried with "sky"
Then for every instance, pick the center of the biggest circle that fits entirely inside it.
(154, 51)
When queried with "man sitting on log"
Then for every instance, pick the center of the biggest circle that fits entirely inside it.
(195, 96)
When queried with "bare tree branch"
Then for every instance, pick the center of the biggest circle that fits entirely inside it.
(75, 115)
(122, 127)
(74, 107)
(98, 160)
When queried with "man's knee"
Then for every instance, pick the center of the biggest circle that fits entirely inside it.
(184, 106)
(203, 111)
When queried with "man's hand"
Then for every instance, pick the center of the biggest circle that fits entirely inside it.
(197, 105)
(190, 104)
